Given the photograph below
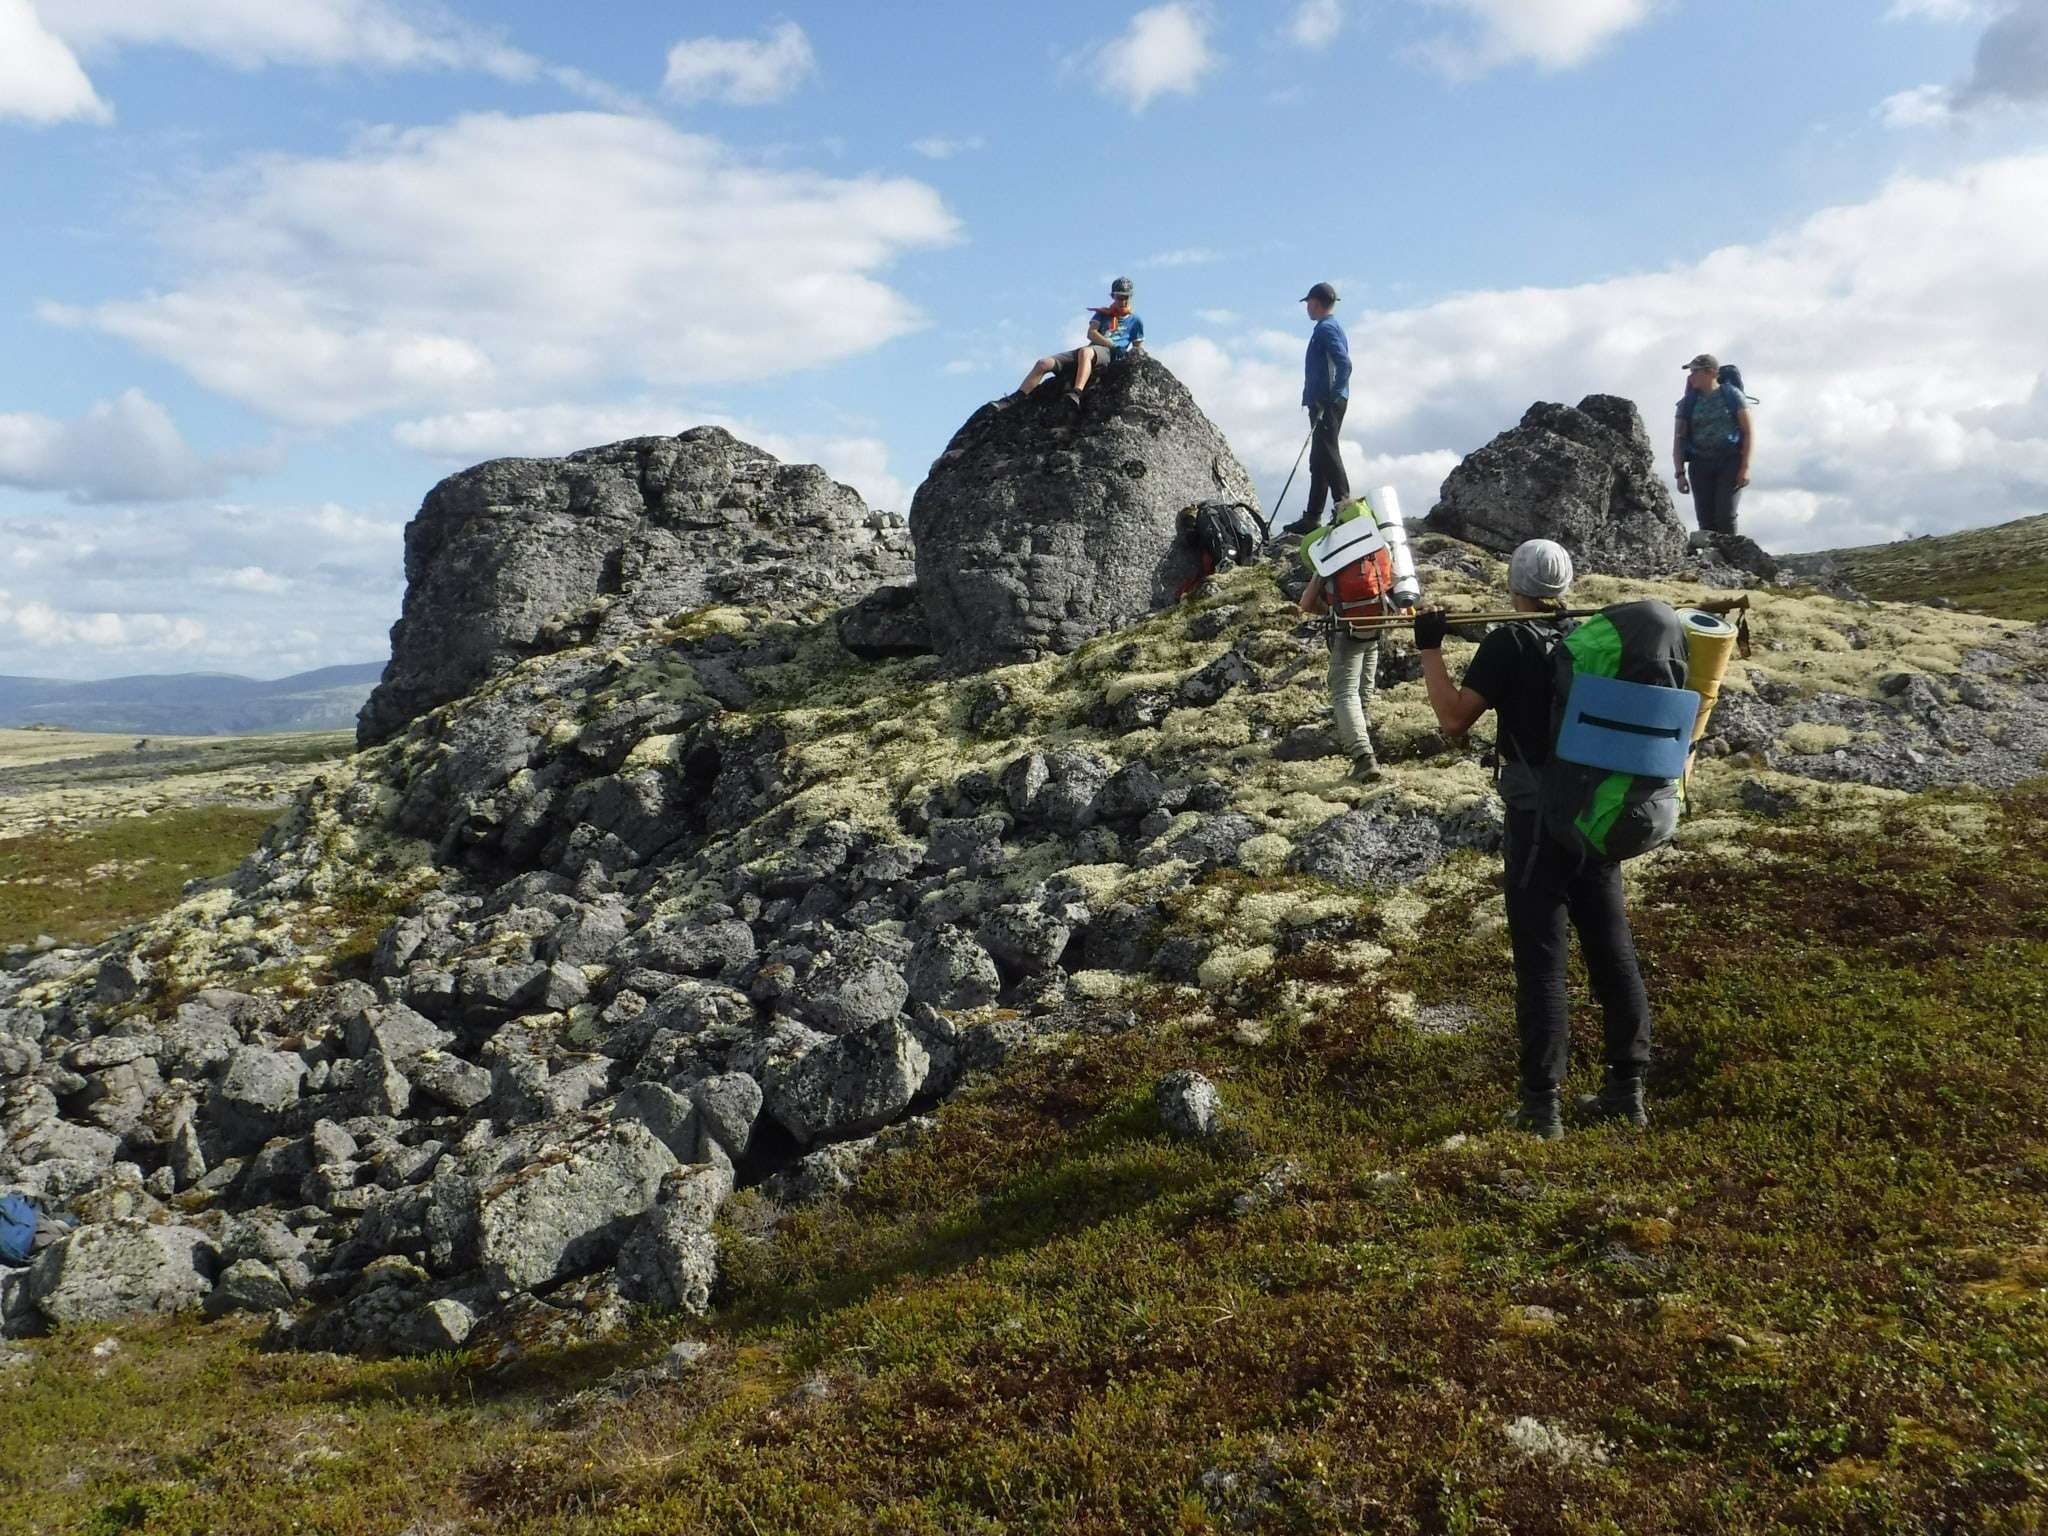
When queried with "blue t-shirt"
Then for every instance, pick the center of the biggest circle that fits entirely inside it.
(1121, 332)
(1327, 368)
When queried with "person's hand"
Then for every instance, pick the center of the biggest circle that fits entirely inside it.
(1683, 488)
(1315, 417)
(1431, 625)
(1741, 479)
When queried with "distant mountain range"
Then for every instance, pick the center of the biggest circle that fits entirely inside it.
(193, 703)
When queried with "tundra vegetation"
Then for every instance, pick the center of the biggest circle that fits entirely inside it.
(1811, 1299)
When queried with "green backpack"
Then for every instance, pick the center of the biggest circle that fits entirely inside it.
(1621, 729)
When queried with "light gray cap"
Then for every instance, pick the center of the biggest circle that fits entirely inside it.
(1542, 569)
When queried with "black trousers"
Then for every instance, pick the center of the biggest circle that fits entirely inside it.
(1546, 893)
(1714, 495)
(1326, 475)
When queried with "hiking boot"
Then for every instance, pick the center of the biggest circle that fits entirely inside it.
(1073, 399)
(1365, 768)
(1620, 1098)
(1303, 525)
(1538, 1114)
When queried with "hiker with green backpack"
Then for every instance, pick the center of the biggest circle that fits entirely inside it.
(1595, 723)
(1713, 441)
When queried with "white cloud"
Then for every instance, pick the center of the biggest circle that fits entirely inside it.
(1164, 51)
(2009, 70)
(248, 578)
(1938, 10)
(1896, 344)
(1316, 23)
(1920, 107)
(264, 590)
(496, 261)
(41, 80)
(124, 449)
(538, 431)
(1551, 34)
(249, 34)
(939, 147)
(738, 71)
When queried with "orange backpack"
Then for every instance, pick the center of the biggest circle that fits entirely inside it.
(1359, 591)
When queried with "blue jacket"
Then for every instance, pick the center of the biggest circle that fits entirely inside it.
(1327, 368)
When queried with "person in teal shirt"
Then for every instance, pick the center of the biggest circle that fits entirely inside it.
(1712, 444)
(1114, 332)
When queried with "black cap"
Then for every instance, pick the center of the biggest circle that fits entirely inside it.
(1122, 285)
(1321, 291)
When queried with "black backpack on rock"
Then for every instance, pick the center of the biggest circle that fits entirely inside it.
(1226, 533)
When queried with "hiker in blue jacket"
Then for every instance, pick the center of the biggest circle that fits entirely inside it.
(1325, 391)
(1114, 333)
(1713, 442)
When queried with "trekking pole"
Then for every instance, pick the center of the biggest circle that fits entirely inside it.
(1290, 482)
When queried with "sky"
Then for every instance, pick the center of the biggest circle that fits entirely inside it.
(271, 268)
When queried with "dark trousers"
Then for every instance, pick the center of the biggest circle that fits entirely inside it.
(1326, 475)
(1714, 494)
(1543, 894)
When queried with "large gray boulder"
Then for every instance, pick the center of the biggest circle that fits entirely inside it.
(517, 557)
(1041, 525)
(118, 1268)
(848, 1085)
(1585, 476)
(568, 1212)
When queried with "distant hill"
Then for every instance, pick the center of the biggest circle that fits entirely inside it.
(2001, 570)
(193, 703)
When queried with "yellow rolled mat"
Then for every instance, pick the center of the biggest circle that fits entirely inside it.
(1709, 644)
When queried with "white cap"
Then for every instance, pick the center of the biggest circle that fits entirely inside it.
(1542, 569)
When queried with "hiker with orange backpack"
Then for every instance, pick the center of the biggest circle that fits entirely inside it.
(1114, 332)
(1353, 590)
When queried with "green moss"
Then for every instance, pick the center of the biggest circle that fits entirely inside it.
(2001, 570)
(80, 886)
(1809, 1299)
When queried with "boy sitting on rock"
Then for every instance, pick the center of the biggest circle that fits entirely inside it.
(1114, 332)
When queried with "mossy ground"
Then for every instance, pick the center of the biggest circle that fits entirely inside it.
(2001, 570)
(1810, 1299)
(80, 886)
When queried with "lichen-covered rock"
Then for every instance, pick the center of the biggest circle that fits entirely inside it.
(1371, 848)
(254, 1093)
(849, 1085)
(521, 556)
(1040, 526)
(1188, 1104)
(568, 1211)
(1585, 476)
(118, 1268)
(948, 969)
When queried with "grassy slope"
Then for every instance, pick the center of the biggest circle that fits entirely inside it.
(80, 886)
(2001, 570)
(1811, 1299)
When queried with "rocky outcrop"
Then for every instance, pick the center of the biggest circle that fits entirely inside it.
(718, 908)
(1043, 525)
(517, 557)
(1583, 475)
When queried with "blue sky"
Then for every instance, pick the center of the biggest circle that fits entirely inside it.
(272, 267)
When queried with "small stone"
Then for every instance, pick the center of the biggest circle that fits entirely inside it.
(1188, 1104)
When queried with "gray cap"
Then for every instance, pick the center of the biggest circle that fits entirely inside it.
(1542, 569)
(1121, 286)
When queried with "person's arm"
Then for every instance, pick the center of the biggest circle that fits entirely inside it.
(1095, 335)
(1678, 436)
(1748, 446)
(1313, 598)
(1457, 709)
(1137, 333)
(1311, 369)
(1340, 363)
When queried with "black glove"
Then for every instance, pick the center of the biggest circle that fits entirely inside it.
(1430, 629)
